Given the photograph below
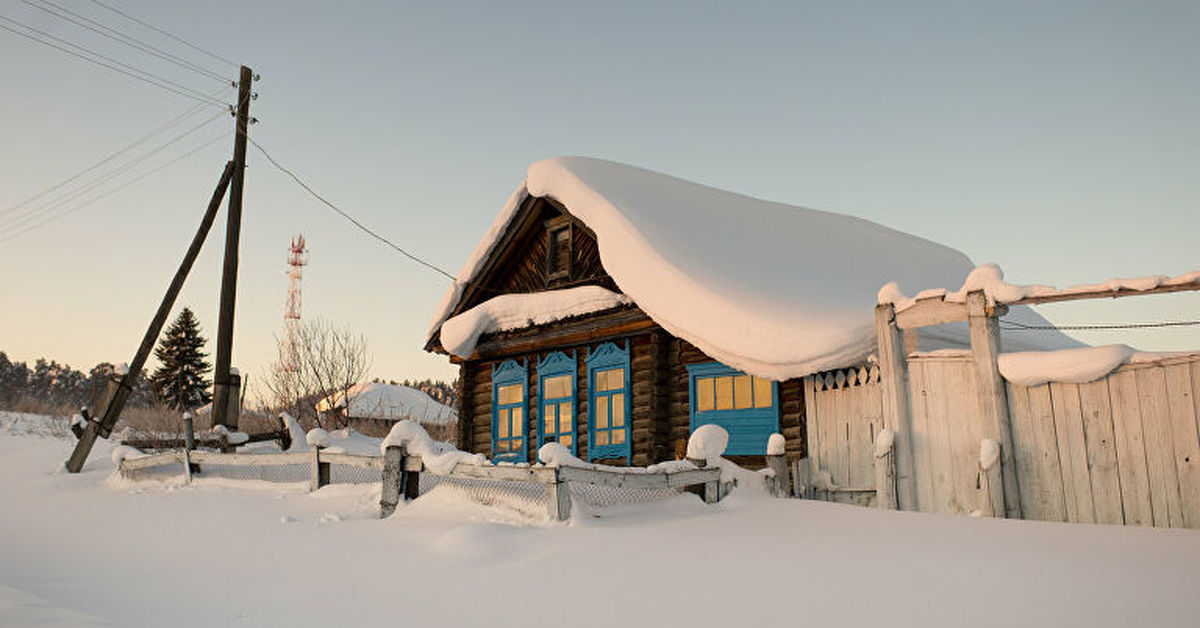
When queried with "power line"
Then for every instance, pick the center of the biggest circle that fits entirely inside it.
(145, 138)
(348, 217)
(163, 32)
(112, 64)
(117, 189)
(122, 38)
(1015, 326)
(52, 204)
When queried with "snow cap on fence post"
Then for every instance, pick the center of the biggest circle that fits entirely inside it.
(776, 445)
(318, 438)
(707, 443)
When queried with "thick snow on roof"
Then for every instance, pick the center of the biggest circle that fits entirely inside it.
(375, 400)
(515, 311)
(772, 289)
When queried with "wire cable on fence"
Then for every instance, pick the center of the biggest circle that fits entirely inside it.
(1015, 326)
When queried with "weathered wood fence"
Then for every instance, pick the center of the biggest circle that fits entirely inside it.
(319, 462)
(402, 471)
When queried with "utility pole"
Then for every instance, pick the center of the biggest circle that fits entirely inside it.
(223, 382)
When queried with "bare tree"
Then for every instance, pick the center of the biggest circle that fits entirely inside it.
(329, 361)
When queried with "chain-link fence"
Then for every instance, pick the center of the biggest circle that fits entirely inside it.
(169, 464)
(526, 498)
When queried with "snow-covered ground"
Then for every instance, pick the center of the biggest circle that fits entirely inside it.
(94, 550)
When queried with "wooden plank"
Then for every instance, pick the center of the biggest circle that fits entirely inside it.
(1182, 409)
(1160, 450)
(846, 411)
(1072, 452)
(1061, 296)
(930, 312)
(153, 460)
(353, 460)
(1096, 411)
(922, 469)
(893, 364)
(1024, 449)
(541, 475)
(941, 459)
(1131, 452)
(1048, 486)
(262, 460)
(811, 416)
(965, 431)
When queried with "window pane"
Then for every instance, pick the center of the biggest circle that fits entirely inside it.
(704, 394)
(502, 446)
(548, 419)
(724, 393)
(518, 421)
(555, 387)
(618, 410)
(602, 412)
(502, 423)
(601, 438)
(510, 394)
(566, 421)
(565, 440)
(611, 379)
(618, 437)
(742, 391)
(763, 397)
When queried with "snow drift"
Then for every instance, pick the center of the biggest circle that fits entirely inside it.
(775, 290)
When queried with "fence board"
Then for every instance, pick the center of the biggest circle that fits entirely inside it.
(1160, 450)
(938, 378)
(812, 411)
(842, 428)
(922, 464)
(1072, 452)
(1049, 468)
(1131, 450)
(1096, 409)
(1186, 441)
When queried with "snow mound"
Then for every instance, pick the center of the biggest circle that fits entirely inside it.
(775, 290)
(318, 437)
(377, 400)
(554, 454)
(515, 311)
(884, 442)
(440, 458)
(299, 438)
(707, 442)
(1072, 366)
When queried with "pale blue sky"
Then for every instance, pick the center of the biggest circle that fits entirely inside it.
(1060, 140)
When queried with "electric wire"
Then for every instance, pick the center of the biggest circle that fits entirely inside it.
(32, 214)
(138, 142)
(118, 36)
(163, 32)
(110, 63)
(347, 216)
(116, 189)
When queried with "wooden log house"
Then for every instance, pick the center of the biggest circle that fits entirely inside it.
(612, 382)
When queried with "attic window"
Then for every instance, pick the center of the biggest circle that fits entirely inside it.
(558, 249)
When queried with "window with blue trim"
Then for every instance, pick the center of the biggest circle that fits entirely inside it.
(508, 412)
(556, 398)
(608, 402)
(745, 405)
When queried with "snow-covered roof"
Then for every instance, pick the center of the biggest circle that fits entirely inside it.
(776, 290)
(376, 400)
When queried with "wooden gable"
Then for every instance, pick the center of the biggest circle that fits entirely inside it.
(521, 261)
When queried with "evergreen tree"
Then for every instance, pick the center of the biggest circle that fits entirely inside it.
(179, 381)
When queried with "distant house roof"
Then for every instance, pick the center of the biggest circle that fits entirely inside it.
(391, 402)
(776, 290)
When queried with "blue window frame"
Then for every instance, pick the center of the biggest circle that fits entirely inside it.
(609, 431)
(746, 406)
(508, 412)
(556, 398)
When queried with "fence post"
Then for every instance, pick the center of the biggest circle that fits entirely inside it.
(781, 484)
(885, 471)
(991, 484)
(389, 496)
(802, 478)
(320, 471)
(896, 416)
(558, 498)
(984, 328)
(410, 480)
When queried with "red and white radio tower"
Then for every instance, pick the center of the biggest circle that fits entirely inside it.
(297, 260)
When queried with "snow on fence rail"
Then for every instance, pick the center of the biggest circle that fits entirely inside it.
(318, 466)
